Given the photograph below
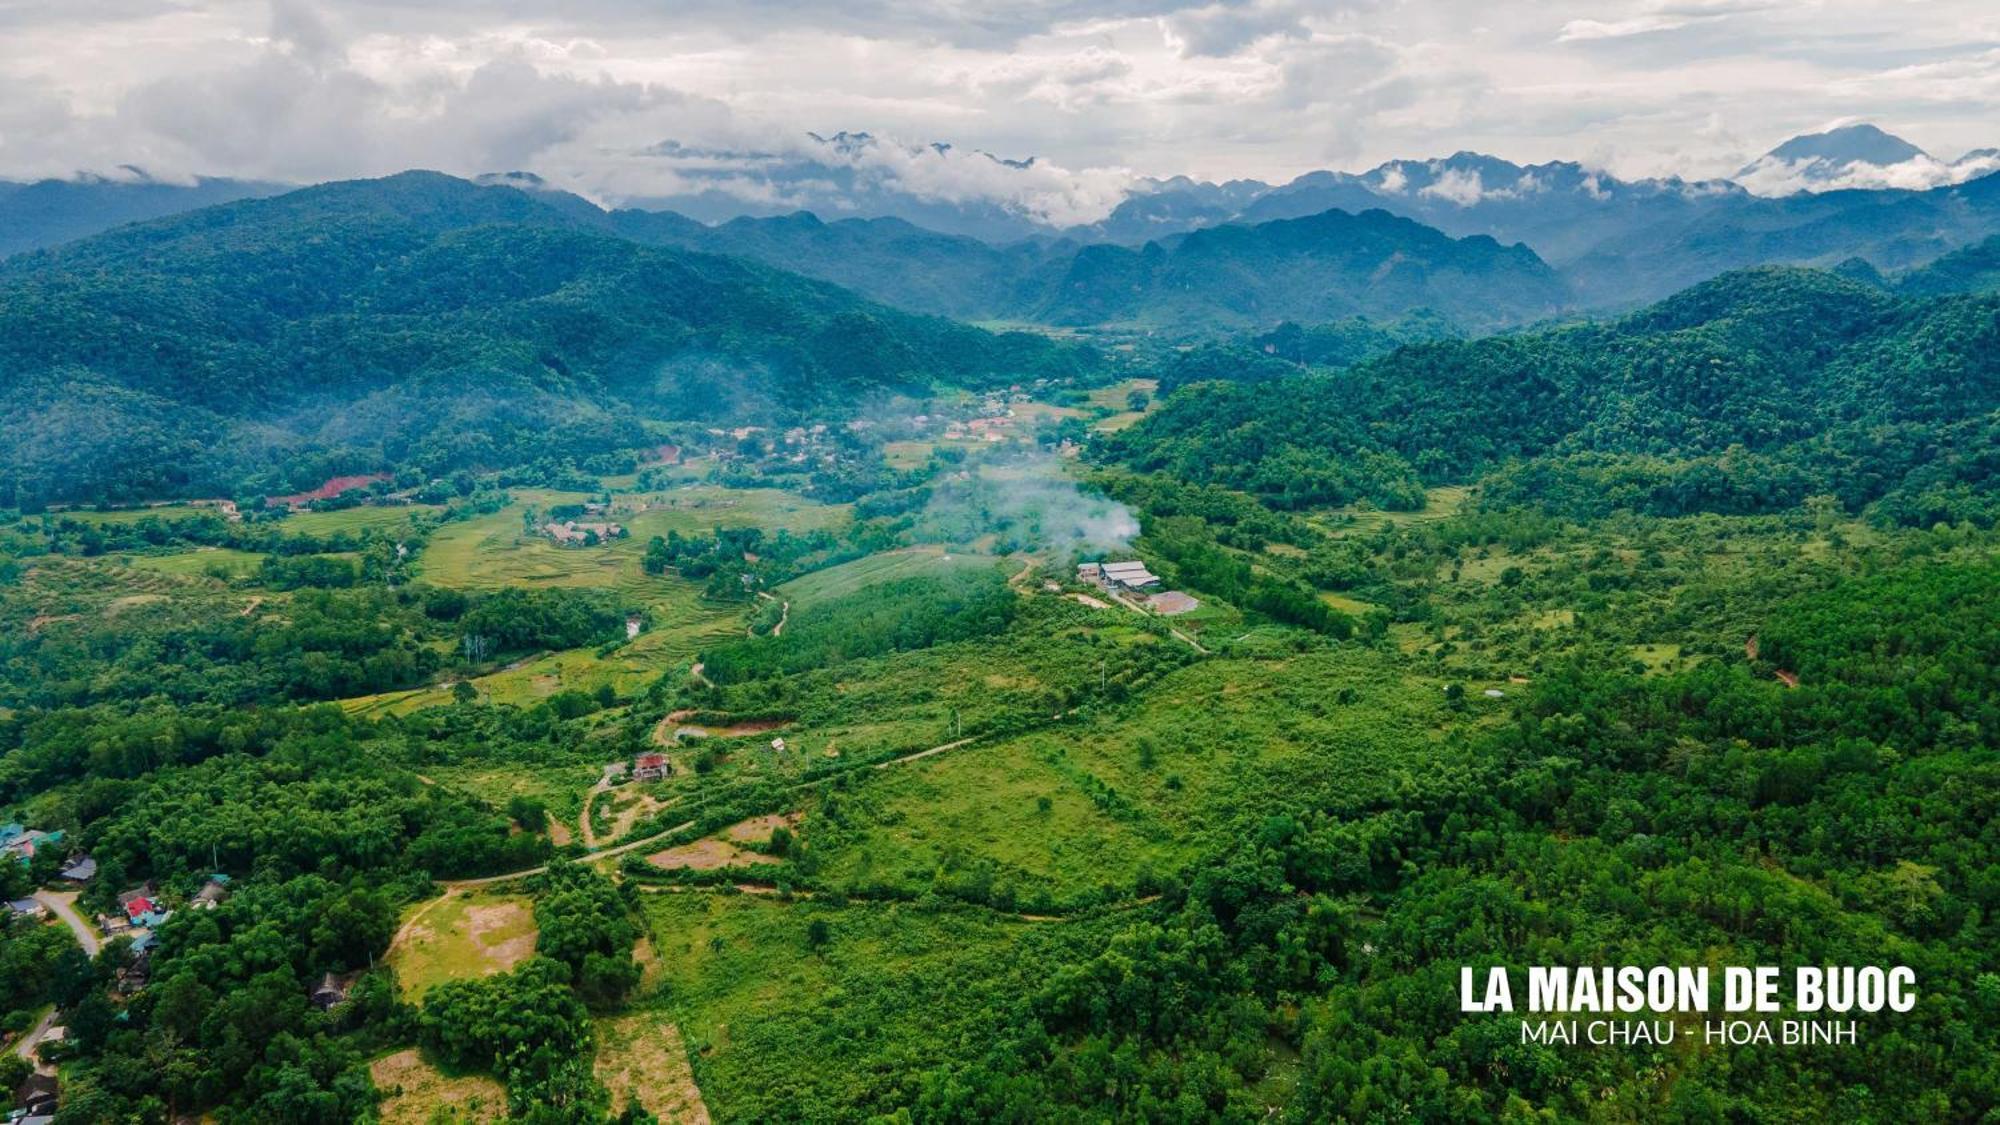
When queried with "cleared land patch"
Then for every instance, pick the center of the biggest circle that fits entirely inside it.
(416, 1093)
(704, 855)
(642, 1058)
(462, 937)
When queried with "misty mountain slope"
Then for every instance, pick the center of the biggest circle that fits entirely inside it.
(1322, 268)
(1624, 242)
(423, 318)
(888, 260)
(1891, 230)
(49, 212)
(1747, 393)
(1972, 269)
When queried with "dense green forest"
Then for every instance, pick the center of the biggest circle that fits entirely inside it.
(1750, 393)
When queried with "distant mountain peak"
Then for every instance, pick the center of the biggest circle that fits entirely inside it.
(1856, 156)
(1861, 143)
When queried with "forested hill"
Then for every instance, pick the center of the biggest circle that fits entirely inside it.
(1748, 393)
(48, 212)
(1323, 267)
(419, 319)
(1320, 268)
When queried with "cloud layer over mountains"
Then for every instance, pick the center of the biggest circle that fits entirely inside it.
(622, 100)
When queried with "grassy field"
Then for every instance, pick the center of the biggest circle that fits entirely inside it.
(1116, 398)
(461, 937)
(202, 561)
(755, 999)
(134, 515)
(642, 1058)
(355, 520)
(496, 550)
(416, 1093)
(1059, 813)
(1439, 503)
(907, 454)
(850, 577)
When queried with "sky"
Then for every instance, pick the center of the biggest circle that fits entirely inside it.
(620, 99)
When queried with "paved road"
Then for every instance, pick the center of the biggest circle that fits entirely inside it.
(25, 1049)
(63, 905)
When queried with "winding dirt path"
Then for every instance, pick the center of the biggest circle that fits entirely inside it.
(583, 824)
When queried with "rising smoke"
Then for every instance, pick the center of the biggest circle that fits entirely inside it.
(1026, 502)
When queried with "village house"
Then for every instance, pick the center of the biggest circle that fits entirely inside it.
(36, 1098)
(137, 973)
(27, 908)
(141, 908)
(211, 894)
(332, 990)
(651, 767)
(80, 869)
(23, 843)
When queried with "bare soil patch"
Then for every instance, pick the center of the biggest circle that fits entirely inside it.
(627, 808)
(758, 829)
(704, 855)
(416, 1093)
(642, 1057)
(462, 938)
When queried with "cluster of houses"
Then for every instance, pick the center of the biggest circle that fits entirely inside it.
(1132, 577)
(572, 533)
(22, 843)
(992, 428)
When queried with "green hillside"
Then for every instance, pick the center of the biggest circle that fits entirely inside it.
(420, 319)
(1748, 393)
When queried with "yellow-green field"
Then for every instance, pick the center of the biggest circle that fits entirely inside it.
(850, 577)
(1439, 503)
(203, 562)
(907, 454)
(462, 937)
(414, 1092)
(355, 520)
(496, 550)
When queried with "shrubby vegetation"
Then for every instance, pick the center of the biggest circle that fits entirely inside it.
(899, 616)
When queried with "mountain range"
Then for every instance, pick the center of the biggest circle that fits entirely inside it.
(431, 321)
(1614, 243)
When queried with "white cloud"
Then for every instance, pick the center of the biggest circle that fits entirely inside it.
(583, 92)
(1770, 176)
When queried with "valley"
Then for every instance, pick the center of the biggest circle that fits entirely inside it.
(474, 655)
